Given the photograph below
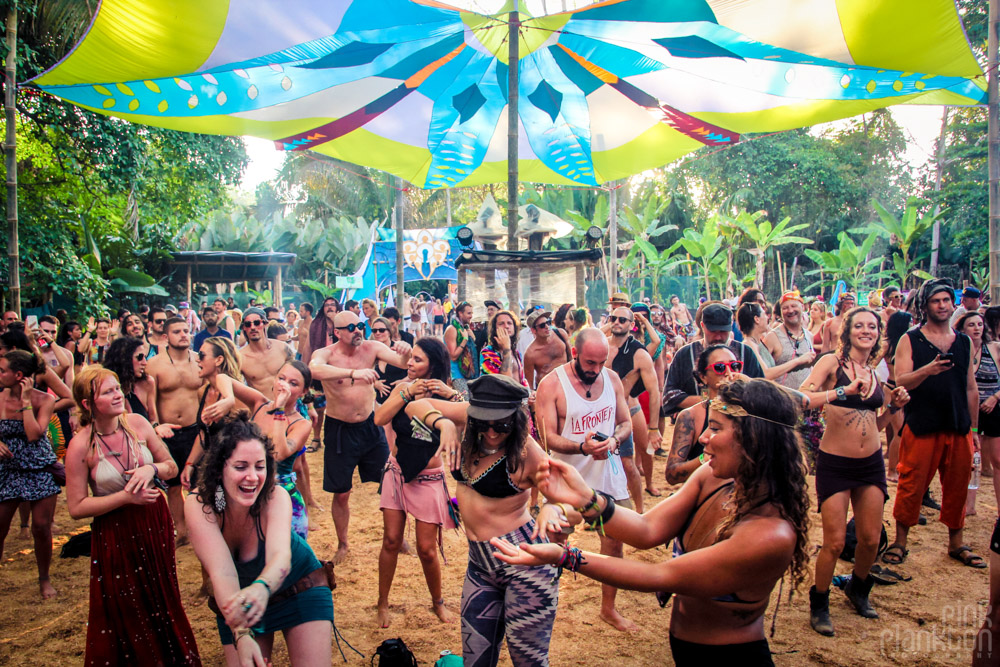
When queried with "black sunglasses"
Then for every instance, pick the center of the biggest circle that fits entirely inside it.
(623, 320)
(376, 330)
(504, 426)
(140, 356)
(720, 366)
(252, 323)
(542, 325)
(351, 328)
(159, 321)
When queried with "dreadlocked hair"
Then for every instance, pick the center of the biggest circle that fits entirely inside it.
(234, 431)
(86, 388)
(844, 342)
(772, 470)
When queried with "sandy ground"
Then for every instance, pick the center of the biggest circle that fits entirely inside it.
(931, 620)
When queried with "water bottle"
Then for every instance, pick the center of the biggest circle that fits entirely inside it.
(977, 462)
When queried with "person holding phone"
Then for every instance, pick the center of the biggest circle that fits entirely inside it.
(940, 432)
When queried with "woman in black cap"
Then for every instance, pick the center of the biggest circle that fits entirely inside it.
(496, 470)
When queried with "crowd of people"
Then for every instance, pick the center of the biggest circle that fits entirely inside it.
(183, 425)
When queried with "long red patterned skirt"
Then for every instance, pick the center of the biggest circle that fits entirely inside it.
(136, 616)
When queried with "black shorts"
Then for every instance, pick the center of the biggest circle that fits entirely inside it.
(751, 654)
(995, 539)
(348, 446)
(989, 423)
(179, 445)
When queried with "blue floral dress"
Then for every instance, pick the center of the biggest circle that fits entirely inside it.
(24, 477)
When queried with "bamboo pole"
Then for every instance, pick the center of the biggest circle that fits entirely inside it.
(10, 115)
(397, 214)
(994, 148)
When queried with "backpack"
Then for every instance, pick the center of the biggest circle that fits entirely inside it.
(394, 653)
(851, 542)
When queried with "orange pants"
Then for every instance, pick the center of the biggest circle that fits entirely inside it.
(948, 453)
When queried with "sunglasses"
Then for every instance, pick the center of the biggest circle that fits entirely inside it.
(252, 323)
(720, 366)
(542, 325)
(140, 356)
(159, 321)
(503, 426)
(351, 328)
(623, 320)
(376, 330)
(201, 355)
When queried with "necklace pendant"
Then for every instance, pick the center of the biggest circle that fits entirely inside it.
(588, 393)
(115, 454)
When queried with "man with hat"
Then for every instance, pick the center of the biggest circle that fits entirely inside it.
(971, 302)
(934, 363)
(191, 317)
(683, 389)
(582, 411)
(482, 328)
(618, 300)
(892, 300)
(547, 351)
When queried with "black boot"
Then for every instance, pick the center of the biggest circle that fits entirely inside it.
(857, 591)
(819, 612)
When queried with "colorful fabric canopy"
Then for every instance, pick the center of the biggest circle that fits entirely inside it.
(419, 89)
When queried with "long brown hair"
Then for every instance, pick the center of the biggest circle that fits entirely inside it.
(844, 344)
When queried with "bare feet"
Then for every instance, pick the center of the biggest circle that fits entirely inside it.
(382, 616)
(315, 505)
(341, 554)
(25, 533)
(443, 612)
(618, 622)
(313, 527)
(892, 479)
(46, 589)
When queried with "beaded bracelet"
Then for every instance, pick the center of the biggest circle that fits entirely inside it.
(572, 559)
(591, 504)
(406, 399)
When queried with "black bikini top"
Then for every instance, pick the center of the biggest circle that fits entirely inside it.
(494, 482)
(873, 402)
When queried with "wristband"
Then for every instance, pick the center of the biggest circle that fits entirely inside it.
(264, 584)
(841, 393)
(155, 424)
(406, 399)
(701, 457)
(591, 504)
(582, 453)
(975, 429)
(237, 636)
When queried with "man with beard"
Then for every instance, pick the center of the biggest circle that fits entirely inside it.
(175, 372)
(791, 340)
(934, 363)
(482, 329)
(683, 389)
(352, 440)
(262, 357)
(224, 319)
(210, 319)
(156, 337)
(547, 351)
(56, 356)
(305, 321)
(831, 328)
(582, 409)
(631, 361)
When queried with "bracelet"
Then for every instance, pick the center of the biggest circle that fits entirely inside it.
(975, 429)
(582, 453)
(565, 509)
(25, 409)
(591, 504)
(406, 399)
(427, 414)
(572, 559)
(276, 411)
(826, 395)
(701, 457)
(264, 584)
(653, 428)
(240, 634)
(155, 424)
(188, 465)
(280, 417)
(841, 393)
(437, 420)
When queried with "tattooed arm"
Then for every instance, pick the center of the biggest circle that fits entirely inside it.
(678, 467)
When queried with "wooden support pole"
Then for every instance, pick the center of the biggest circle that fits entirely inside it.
(10, 157)
(187, 285)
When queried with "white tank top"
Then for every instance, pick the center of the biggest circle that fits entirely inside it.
(582, 417)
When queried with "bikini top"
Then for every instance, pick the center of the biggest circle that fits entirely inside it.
(678, 549)
(873, 402)
(494, 482)
(108, 477)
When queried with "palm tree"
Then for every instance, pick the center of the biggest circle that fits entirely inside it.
(763, 235)
(904, 233)
(705, 247)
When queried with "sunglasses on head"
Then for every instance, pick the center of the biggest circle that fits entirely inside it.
(720, 366)
(351, 328)
(252, 323)
(505, 425)
(379, 330)
(623, 320)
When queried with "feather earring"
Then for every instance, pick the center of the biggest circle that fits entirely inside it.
(220, 500)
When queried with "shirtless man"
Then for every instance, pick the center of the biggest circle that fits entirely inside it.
(175, 375)
(262, 357)
(351, 439)
(629, 359)
(575, 403)
(305, 321)
(546, 352)
(831, 328)
(682, 316)
(56, 356)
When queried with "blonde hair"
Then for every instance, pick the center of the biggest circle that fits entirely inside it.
(230, 359)
(86, 387)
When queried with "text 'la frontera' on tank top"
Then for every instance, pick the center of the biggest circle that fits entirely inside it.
(586, 416)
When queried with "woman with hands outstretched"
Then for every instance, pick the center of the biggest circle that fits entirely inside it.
(115, 466)
(729, 552)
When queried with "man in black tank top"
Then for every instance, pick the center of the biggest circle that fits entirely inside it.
(933, 363)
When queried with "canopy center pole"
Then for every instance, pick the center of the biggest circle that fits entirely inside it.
(513, 58)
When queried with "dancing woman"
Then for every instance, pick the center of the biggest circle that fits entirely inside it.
(736, 540)
(850, 469)
(752, 320)
(500, 354)
(136, 615)
(25, 455)
(985, 364)
(265, 577)
(413, 479)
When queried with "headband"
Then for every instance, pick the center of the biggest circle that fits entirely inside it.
(734, 410)
(792, 296)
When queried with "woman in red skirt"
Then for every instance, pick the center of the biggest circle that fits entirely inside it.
(136, 615)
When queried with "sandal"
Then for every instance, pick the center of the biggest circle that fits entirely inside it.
(964, 555)
(656, 493)
(315, 447)
(883, 576)
(896, 554)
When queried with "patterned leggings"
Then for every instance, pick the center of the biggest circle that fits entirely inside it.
(499, 599)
